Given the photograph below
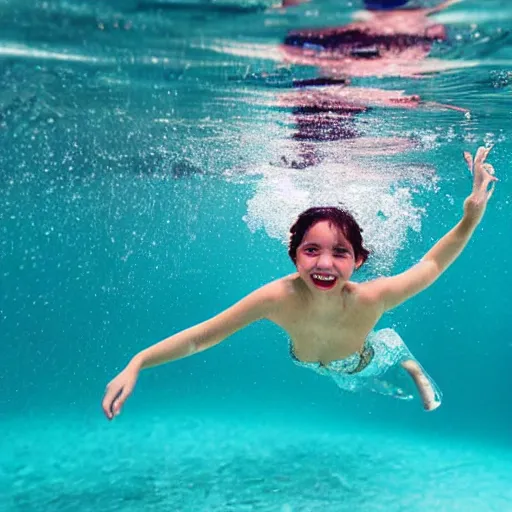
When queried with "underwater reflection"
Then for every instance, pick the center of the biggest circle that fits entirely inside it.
(325, 108)
(382, 42)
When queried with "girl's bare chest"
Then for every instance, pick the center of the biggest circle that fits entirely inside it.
(321, 336)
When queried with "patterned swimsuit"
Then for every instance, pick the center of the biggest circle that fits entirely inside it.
(376, 367)
(351, 364)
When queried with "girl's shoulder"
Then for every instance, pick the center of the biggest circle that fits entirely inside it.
(366, 293)
(286, 287)
(285, 293)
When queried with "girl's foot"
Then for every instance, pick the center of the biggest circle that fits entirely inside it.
(427, 393)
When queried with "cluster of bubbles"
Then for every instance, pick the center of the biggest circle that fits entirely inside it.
(381, 199)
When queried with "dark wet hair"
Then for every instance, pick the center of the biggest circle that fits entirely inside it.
(339, 217)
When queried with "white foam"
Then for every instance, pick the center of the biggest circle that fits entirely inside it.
(381, 199)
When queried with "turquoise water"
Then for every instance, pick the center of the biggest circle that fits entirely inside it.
(144, 190)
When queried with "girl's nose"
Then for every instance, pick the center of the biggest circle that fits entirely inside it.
(324, 261)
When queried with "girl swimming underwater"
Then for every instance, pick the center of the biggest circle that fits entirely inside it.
(328, 318)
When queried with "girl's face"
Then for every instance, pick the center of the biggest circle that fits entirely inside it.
(325, 258)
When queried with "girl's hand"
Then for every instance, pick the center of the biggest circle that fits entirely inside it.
(118, 390)
(483, 176)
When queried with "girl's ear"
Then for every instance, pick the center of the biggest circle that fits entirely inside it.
(359, 262)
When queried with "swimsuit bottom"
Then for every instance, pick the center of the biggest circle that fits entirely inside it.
(377, 367)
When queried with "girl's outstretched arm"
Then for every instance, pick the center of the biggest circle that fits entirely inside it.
(253, 307)
(392, 291)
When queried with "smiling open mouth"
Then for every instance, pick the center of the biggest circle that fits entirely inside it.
(324, 281)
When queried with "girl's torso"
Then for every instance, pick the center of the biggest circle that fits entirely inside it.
(330, 331)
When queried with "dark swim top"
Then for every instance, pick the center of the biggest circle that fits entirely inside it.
(382, 5)
(320, 81)
(354, 42)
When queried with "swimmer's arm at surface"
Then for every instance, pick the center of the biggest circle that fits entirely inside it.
(253, 307)
(442, 6)
(394, 290)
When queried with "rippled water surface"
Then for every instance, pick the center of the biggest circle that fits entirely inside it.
(152, 158)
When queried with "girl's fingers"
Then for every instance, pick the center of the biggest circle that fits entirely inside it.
(489, 180)
(489, 168)
(491, 191)
(120, 400)
(484, 172)
(481, 154)
(116, 407)
(112, 395)
(107, 403)
(469, 160)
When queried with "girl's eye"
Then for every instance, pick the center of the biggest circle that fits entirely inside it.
(309, 250)
(340, 252)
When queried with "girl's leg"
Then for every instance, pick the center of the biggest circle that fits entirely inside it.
(425, 388)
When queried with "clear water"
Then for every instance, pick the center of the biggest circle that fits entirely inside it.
(143, 189)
